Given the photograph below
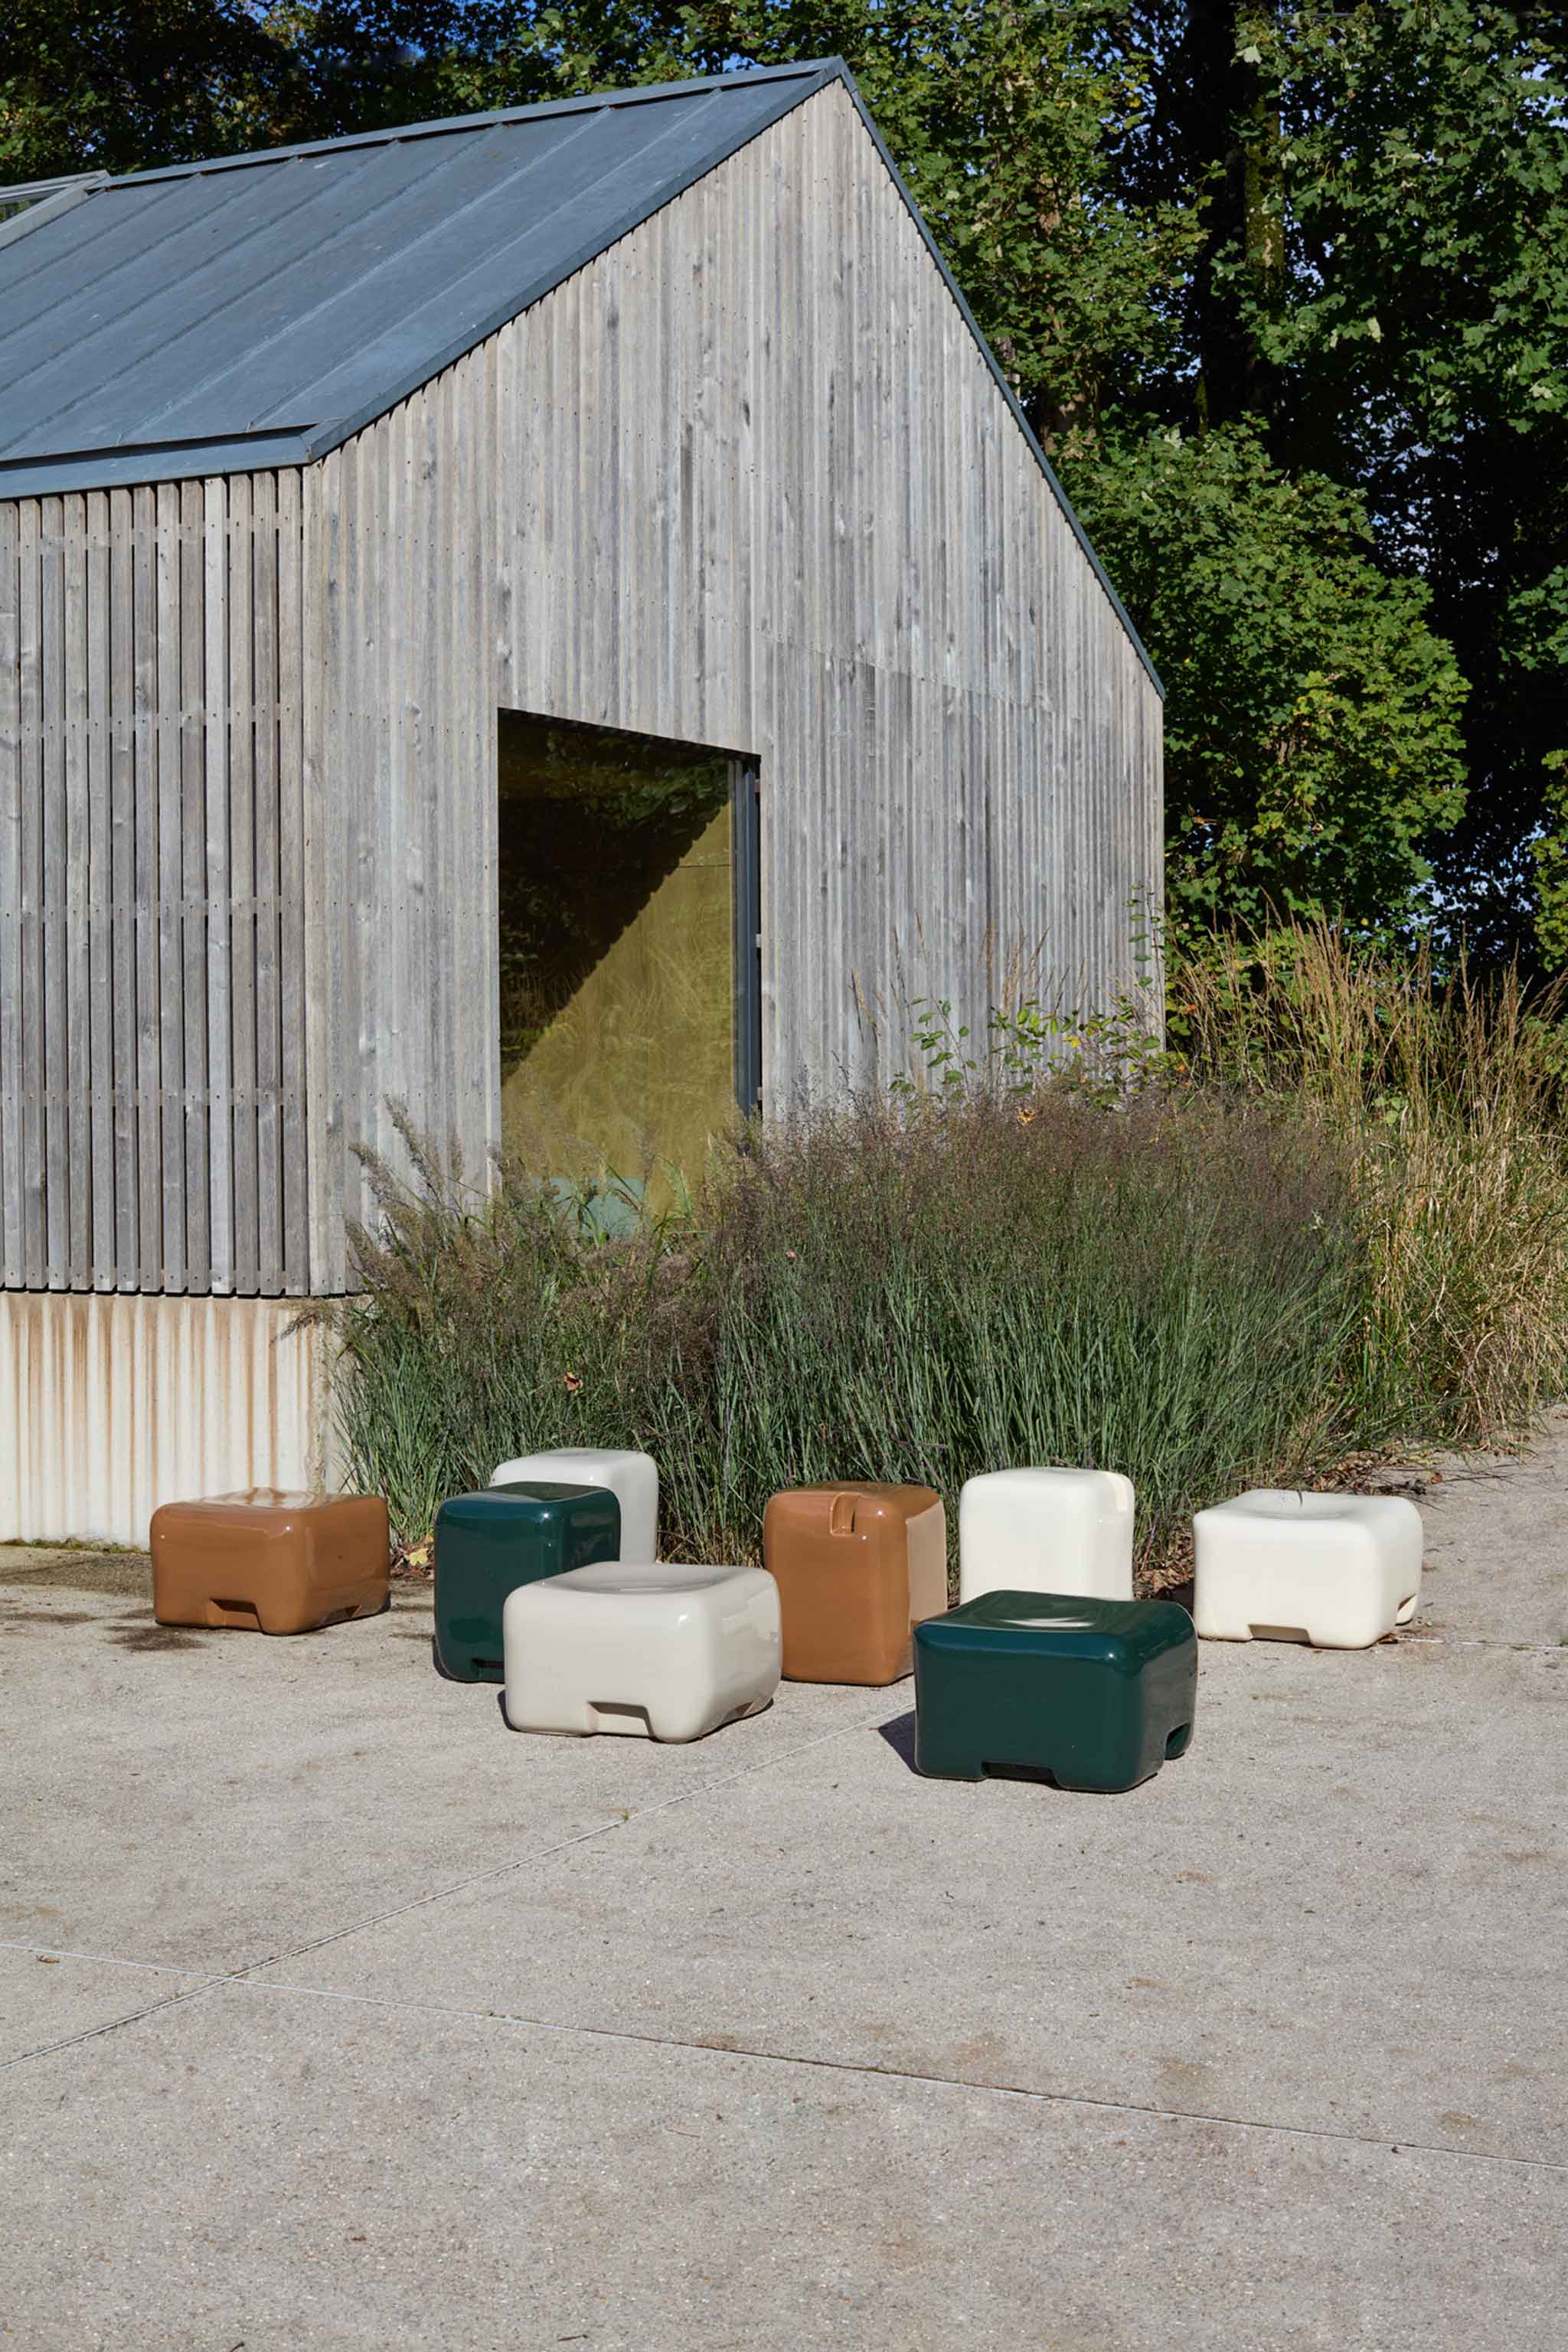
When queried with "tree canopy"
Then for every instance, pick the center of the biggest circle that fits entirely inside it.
(1284, 289)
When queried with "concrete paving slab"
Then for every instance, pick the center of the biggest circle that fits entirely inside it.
(1269, 2054)
(1343, 1909)
(259, 2169)
(81, 1567)
(209, 1800)
(48, 1998)
(1496, 1565)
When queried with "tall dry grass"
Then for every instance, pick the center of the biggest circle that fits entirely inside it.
(1332, 1217)
(1446, 1096)
(908, 1289)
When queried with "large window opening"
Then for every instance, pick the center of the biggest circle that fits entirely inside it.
(629, 976)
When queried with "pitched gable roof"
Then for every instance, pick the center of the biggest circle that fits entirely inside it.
(257, 309)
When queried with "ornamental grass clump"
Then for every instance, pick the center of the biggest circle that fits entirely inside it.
(924, 1290)
(1446, 1098)
(904, 1289)
(1332, 1219)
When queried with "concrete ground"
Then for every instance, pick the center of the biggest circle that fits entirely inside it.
(332, 2013)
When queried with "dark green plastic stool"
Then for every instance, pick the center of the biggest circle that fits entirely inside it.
(489, 1543)
(1096, 1693)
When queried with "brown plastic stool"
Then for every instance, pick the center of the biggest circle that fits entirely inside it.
(857, 1567)
(268, 1560)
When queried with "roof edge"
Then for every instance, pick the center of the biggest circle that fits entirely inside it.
(36, 209)
(994, 364)
(90, 470)
(331, 436)
(151, 461)
(589, 103)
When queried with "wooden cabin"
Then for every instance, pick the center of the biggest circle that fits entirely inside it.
(553, 619)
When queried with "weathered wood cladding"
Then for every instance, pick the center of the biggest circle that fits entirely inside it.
(152, 967)
(745, 480)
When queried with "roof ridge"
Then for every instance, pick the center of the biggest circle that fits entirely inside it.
(420, 338)
(639, 94)
(30, 203)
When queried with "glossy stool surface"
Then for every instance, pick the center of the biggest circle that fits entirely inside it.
(632, 1479)
(857, 1565)
(1046, 1530)
(1339, 1571)
(1098, 1694)
(651, 1648)
(270, 1560)
(489, 1542)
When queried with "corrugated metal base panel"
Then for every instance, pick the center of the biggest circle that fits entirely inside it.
(110, 1405)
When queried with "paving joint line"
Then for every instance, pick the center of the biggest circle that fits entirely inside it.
(900, 2074)
(1481, 1642)
(544, 1853)
(112, 2025)
(211, 1981)
(105, 1960)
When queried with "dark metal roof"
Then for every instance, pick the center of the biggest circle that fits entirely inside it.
(257, 309)
(281, 300)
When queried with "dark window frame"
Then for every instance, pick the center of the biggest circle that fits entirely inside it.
(746, 891)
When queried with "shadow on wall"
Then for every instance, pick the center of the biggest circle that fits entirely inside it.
(617, 984)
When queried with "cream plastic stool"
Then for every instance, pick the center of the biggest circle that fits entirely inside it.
(1046, 1531)
(632, 1479)
(662, 1652)
(1337, 1571)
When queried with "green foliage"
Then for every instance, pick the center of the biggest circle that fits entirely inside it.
(1336, 1221)
(1536, 652)
(1337, 235)
(913, 1290)
(109, 85)
(1311, 743)
(1423, 171)
(1104, 1055)
(122, 85)
(1420, 345)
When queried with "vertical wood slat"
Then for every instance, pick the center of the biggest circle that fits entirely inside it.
(742, 479)
(70, 1119)
(193, 933)
(148, 926)
(296, 845)
(171, 888)
(30, 891)
(99, 1268)
(216, 819)
(11, 1022)
(122, 809)
(242, 729)
(53, 884)
(270, 1117)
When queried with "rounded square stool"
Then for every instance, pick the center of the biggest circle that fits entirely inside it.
(487, 1543)
(857, 1565)
(1097, 1693)
(645, 1648)
(632, 1479)
(1337, 1571)
(270, 1560)
(1046, 1531)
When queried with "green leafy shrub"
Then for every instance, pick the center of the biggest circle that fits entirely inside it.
(1311, 718)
